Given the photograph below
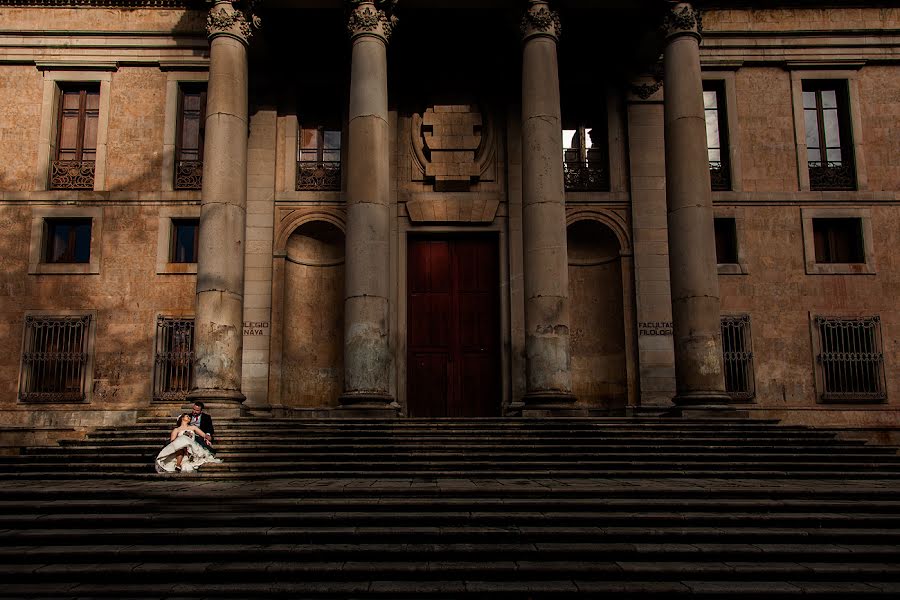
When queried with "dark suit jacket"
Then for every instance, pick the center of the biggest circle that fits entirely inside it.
(206, 424)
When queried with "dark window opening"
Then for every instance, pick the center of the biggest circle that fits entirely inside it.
(67, 240)
(585, 160)
(185, 238)
(190, 136)
(838, 240)
(828, 140)
(716, 135)
(76, 137)
(319, 157)
(726, 241)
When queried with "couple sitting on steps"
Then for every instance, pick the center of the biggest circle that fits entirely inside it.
(190, 443)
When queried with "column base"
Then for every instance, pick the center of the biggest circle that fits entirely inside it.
(218, 403)
(367, 405)
(702, 405)
(551, 404)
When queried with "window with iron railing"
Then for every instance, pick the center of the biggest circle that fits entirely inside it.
(174, 358)
(54, 359)
(737, 351)
(828, 142)
(850, 360)
(716, 135)
(585, 161)
(76, 138)
(189, 138)
(319, 158)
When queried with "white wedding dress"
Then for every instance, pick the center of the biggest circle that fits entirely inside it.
(195, 455)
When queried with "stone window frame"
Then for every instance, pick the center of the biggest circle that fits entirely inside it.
(851, 77)
(732, 125)
(174, 79)
(89, 350)
(47, 136)
(164, 240)
(39, 215)
(809, 248)
(740, 267)
(816, 348)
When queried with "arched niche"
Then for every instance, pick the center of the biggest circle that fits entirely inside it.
(596, 300)
(312, 311)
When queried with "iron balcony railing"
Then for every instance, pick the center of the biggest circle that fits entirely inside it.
(318, 175)
(189, 175)
(72, 174)
(831, 175)
(585, 176)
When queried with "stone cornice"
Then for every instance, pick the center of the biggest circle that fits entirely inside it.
(194, 4)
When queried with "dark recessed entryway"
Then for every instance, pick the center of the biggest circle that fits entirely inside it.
(453, 360)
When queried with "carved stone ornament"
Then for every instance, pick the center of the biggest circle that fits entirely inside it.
(645, 90)
(540, 20)
(371, 17)
(683, 18)
(235, 19)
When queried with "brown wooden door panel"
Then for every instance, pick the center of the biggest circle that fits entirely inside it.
(453, 321)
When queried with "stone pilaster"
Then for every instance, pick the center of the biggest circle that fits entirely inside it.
(547, 352)
(218, 342)
(700, 383)
(367, 351)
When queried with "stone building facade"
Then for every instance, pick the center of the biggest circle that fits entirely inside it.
(449, 209)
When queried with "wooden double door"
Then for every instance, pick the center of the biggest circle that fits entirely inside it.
(453, 360)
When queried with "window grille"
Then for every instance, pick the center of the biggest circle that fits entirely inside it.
(54, 359)
(850, 361)
(737, 351)
(174, 361)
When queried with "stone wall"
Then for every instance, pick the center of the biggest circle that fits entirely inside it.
(804, 19)
(21, 92)
(879, 90)
(137, 115)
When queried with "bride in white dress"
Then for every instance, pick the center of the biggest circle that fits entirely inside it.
(183, 453)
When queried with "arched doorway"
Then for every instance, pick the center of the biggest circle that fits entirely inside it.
(597, 338)
(312, 358)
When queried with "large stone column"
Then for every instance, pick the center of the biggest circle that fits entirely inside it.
(367, 351)
(547, 352)
(699, 378)
(220, 265)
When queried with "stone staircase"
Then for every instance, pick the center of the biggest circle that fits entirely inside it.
(440, 508)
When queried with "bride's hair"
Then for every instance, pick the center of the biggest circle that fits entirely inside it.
(180, 417)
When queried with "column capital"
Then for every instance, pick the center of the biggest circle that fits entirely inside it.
(682, 19)
(539, 20)
(232, 19)
(372, 17)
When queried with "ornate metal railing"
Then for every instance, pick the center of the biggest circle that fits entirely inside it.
(737, 351)
(318, 175)
(173, 365)
(831, 175)
(719, 176)
(72, 175)
(583, 176)
(851, 361)
(55, 358)
(188, 174)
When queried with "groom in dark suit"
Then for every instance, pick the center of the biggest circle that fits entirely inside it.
(203, 421)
